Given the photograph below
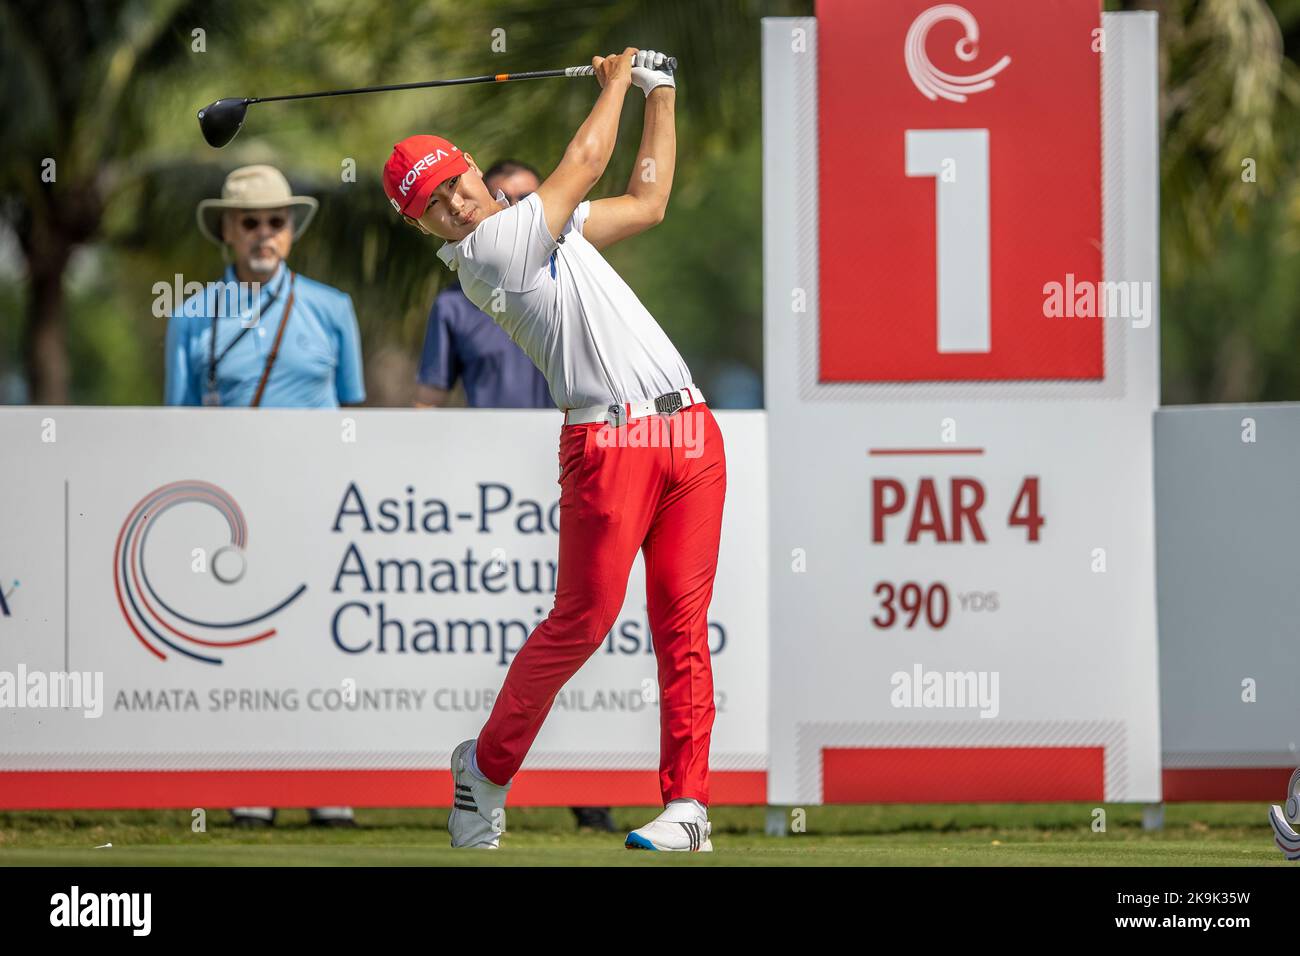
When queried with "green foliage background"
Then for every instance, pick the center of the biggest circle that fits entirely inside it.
(109, 89)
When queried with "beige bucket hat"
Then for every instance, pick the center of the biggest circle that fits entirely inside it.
(255, 187)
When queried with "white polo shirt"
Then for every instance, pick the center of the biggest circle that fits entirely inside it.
(566, 307)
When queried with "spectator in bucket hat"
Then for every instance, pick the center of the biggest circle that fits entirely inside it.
(262, 335)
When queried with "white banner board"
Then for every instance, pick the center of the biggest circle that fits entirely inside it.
(1227, 527)
(303, 608)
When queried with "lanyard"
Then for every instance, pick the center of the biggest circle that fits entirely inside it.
(275, 349)
(211, 398)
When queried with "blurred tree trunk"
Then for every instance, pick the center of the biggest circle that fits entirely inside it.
(54, 228)
(45, 355)
(1236, 373)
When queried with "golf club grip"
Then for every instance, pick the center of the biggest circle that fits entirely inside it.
(670, 66)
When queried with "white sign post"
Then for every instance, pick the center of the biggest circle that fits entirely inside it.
(962, 572)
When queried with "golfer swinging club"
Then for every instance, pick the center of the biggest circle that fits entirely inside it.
(536, 269)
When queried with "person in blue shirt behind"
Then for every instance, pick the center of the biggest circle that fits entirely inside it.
(263, 335)
(462, 343)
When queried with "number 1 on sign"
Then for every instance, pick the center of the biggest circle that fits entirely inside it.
(958, 159)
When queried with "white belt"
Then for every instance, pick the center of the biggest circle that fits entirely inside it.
(616, 415)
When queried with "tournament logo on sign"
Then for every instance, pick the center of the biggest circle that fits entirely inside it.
(154, 620)
(933, 82)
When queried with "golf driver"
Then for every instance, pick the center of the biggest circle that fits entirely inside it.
(221, 121)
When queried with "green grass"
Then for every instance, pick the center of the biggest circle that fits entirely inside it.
(922, 835)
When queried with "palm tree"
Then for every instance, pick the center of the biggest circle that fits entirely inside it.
(1228, 93)
(72, 70)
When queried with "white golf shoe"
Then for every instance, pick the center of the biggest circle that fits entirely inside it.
(478, 806)
(683, 826)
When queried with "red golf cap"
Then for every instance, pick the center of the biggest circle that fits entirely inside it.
(416, 168)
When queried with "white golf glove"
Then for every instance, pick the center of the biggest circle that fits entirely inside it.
(648, 72)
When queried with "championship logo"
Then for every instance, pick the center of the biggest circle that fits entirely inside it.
(935, 83)
(155, 622)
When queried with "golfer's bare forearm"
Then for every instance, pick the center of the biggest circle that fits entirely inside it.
(652, 176)
(585, 158)
(593, 144)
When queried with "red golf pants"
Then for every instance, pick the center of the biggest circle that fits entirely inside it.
(655, 484)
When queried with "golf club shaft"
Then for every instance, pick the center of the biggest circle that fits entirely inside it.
(571, 71)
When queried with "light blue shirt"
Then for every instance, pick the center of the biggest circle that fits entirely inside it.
(319, 364)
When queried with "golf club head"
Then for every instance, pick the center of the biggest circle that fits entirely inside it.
(221, 121)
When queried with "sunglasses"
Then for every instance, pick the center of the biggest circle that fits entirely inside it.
(250, 223)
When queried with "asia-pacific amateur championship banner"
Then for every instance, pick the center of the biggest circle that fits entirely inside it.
(313, 608)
